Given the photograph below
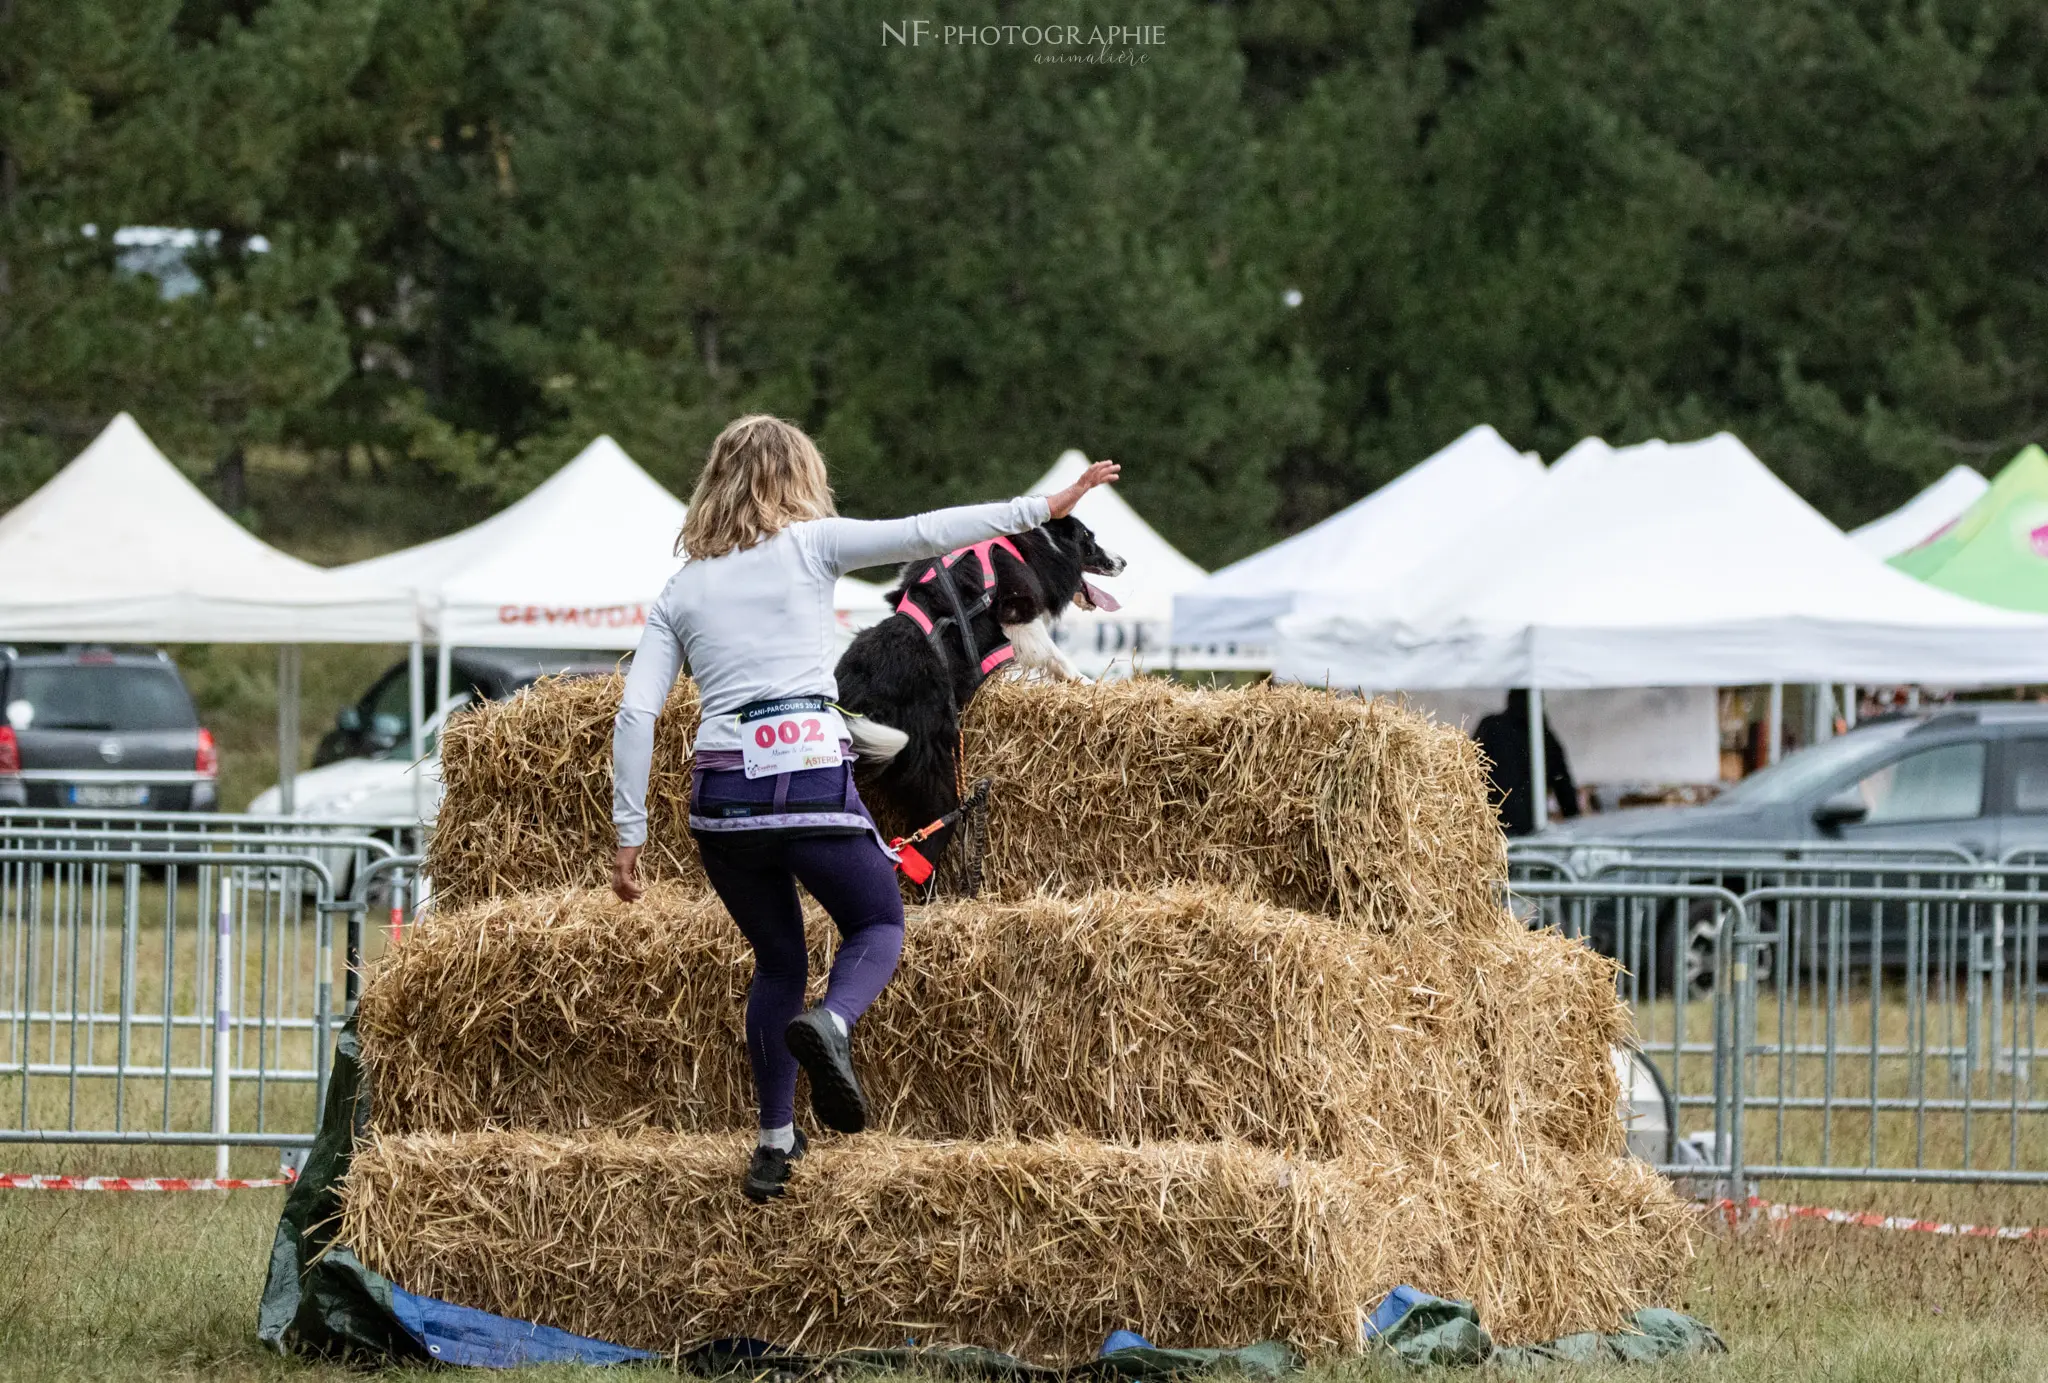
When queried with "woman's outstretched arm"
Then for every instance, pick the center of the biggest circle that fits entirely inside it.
(845, 545)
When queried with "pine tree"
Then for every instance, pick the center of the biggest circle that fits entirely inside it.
(145, 113)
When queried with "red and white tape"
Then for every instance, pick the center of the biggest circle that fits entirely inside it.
(1869, 1219)
(12, 1181)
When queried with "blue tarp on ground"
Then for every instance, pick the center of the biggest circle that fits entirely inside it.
(464, 1335)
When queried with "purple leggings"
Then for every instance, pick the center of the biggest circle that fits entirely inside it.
(756, 874)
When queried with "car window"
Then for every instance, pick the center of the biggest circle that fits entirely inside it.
(1940, 784)
(2029, 760)
(390, 711)
(98, 698)
(1792, 777)
(402, 751)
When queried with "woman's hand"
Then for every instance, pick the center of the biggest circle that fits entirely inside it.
(1101, 473)
(626, 874)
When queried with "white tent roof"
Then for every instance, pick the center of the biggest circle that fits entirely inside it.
(1359, 548)
(120, 547)
(1922, 516)
(1659, 565)
(1156, 572)
(574, 564)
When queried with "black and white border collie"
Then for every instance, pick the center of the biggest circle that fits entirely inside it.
(915, 671)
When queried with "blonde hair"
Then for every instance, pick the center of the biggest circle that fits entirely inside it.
(763, 474)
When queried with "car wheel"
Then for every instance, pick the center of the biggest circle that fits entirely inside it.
(1689, 937)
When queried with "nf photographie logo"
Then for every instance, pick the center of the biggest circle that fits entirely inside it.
(1084, 44)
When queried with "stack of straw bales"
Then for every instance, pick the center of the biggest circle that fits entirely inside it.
(1241, 1039)
(1355, 809)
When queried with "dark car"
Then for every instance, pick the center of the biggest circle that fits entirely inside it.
(91, 728)
(1962, 781)
(382, 719)
(1972, 777)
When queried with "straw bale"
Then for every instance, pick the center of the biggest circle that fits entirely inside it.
(1361, 810)
(1550, 1243)
(1544, 1014)
(1036, 1248)
(1039, 1249)
(1188, 1013)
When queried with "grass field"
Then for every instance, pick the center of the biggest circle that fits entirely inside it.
(142, 1286)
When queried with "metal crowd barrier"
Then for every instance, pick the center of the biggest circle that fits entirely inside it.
(173, 981)
(1840, 1013)
(1843, 1013)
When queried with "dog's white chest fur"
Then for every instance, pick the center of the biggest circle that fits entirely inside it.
(1036, 650)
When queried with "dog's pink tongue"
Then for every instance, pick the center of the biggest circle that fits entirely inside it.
(1099, 598)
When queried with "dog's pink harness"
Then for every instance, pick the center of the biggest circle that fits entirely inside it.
(963, 615)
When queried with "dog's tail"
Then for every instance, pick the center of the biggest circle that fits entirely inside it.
(873, 742)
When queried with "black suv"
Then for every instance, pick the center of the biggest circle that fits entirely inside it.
(92, 728)
(382, 719)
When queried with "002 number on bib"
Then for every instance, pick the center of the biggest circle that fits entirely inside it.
(789, 737)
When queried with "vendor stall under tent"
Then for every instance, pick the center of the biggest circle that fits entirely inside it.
(1924, 517)
(1621, 740)
(1358, 550)
(1137, 633)
(1659, 565)
(119, 547)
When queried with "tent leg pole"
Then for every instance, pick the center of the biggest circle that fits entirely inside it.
(1820, 718)
(1539, 771)
(287, 727)
(1774, 739)
(416, 714)
(1849, 704)
(443, 673)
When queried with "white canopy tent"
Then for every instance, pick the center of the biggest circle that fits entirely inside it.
(1654, 735)
(1658, 566)
(119, 547)
(1100, 641)
(1358, 549)
(574, 564)
(1922, 516)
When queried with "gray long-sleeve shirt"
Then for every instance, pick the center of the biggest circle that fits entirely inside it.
(758, 624)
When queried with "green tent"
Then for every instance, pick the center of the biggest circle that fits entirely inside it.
(1997, 552)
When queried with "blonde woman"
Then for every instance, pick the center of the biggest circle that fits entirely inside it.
(772, 799)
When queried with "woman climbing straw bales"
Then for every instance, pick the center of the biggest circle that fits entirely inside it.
(773, 802)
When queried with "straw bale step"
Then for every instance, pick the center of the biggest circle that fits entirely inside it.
(1187, 1013)
(1357, 809)
(1039, 1249)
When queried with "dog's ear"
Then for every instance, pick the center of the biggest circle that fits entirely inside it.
(1018, 598)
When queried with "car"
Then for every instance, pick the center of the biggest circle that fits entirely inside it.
(381, 719)
(1971, 777)
(98, 728)
(1964, 782)
(387, 787)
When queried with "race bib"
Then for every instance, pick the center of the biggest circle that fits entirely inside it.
(790, 735)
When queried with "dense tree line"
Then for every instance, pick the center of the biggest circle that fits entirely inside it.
(1297, 246)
